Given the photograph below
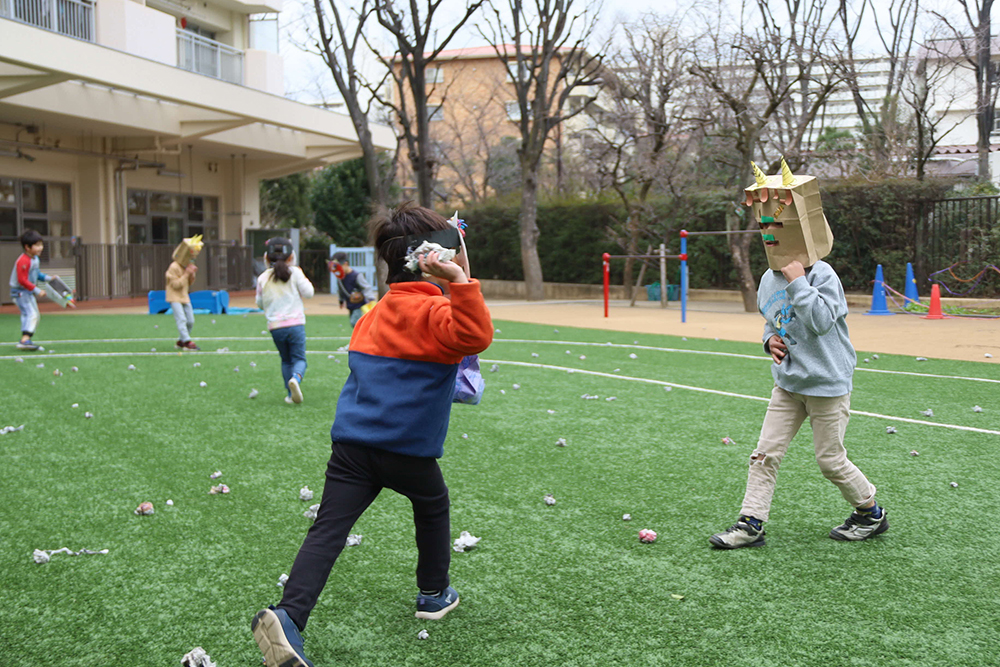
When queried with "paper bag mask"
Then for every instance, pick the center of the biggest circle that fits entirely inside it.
(187, 249)
(794, 203)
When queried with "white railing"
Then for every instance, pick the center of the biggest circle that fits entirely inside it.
(74, 18)
(206, 56)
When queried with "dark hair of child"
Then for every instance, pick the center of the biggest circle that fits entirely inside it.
(278, 252)
(30, 237)
(388, 229)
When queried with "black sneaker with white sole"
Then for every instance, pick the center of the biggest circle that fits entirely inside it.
(860, 526)
(740, 534)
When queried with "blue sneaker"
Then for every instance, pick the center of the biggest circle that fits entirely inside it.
(434, 607)
(278, 638)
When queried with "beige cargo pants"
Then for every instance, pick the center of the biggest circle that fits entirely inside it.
(785, 413)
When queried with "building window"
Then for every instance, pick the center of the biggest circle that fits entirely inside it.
(513, 111)
(435, 113)
(434, 75)
(44, 207)
(522, 69)
(996, 122)
(164, 217)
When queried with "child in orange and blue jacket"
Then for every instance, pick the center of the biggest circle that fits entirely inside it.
(391, 422)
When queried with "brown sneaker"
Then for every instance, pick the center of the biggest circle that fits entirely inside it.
(190, 346)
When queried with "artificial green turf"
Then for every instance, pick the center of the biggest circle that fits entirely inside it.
(568, 584)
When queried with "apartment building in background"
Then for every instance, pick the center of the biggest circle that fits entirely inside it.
(473, 114)
(140, 122)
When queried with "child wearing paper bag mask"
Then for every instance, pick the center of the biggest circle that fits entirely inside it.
(805, 332)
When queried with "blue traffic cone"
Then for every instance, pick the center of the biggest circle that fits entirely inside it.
(910, 294)
(878, 295)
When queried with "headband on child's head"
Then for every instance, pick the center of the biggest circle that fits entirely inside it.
(446, 238)
(278, 244)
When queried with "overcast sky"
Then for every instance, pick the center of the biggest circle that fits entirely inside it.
(308, 80)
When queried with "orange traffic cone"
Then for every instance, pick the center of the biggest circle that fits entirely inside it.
(934, 313)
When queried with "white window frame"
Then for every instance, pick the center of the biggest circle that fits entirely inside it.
(435, 113)
(513, 111)
(433, 75)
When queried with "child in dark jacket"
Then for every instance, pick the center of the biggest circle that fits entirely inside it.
(412, 342)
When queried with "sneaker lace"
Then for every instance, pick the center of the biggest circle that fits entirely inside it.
(745, 527)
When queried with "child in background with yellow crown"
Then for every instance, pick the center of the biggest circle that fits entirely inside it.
(180, 276)
(802, 300)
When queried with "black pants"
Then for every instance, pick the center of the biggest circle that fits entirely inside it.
(354, 478)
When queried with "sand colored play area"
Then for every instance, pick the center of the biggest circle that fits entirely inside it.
(968, 339)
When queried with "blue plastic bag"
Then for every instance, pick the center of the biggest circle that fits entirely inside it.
(469, 383)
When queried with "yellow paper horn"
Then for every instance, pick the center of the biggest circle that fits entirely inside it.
(758, 175)
(787, 178)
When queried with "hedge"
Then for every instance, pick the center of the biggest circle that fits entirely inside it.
(870, 222)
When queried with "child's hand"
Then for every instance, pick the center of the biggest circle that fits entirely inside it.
(450, 271)
(777, 348)
(41, 293)
(793, 270)
(191, 268)
(71, 304)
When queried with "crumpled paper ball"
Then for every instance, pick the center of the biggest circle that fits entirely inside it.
(282, 580)
(197, 364)
(611, 398)
(305, 493)
(215, 475)
(11, 429)
(88, 415)
(202, 384)
(626, 517)
(516, 386)
(534, 355)
(551, 412)
(145, 509)
(914, 453)
(253, 364)
(928, 412)
(40, 556)
(549, 499)
(422, 634)
(254, 393)
(494, 368)
(170, 503)
(976, 408)
(311, 512)
(221, 488)
(197, 657)
(921, 358)
(412, 261)
(465, 541)
(646, 535)
(131, 367)
(890, 429)
(561, 442)
(728, 441)
(354, 540)
(954, 485)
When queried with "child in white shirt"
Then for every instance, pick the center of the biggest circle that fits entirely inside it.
(280, 291)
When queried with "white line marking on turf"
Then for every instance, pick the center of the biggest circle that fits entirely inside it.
(186, 353)
(168, 338)
(733, 354)
(729, 393)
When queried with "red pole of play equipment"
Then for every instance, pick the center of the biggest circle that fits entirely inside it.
(606, 258)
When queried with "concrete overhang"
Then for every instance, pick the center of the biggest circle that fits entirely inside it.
(86, 86)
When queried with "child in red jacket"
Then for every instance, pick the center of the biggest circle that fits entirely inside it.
(391, 422)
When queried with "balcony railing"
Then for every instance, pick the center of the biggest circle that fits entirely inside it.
(206, 56)
(74, 18)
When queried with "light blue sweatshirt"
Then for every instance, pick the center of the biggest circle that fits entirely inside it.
(810, 316)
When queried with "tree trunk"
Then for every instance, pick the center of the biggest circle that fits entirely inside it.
(739, 247)
(533, 286)
(373, 174)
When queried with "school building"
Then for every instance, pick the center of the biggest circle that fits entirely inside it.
(126, 125)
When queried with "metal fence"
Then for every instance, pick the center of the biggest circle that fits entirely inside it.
(313, 264)
(206, 56)
(73, 18)
(105, 271)
(955, 230)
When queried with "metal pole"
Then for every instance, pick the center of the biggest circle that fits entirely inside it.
(663, 275)
(684, 275)
(606, 258)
